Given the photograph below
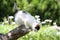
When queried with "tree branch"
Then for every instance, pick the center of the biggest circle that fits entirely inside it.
(15, 33)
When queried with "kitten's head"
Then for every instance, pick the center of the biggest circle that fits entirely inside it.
(36, 26)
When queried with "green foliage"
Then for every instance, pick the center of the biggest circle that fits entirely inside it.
(47, 9)
(6, 8)
(5, 28)
(45, 33)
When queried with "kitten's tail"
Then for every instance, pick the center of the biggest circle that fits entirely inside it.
(15, 6)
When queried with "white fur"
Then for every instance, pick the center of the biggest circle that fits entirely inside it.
(25, 19)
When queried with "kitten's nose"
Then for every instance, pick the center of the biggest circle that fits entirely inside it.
(37, 27)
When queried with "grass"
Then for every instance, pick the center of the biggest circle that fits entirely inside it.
(6, 28)
(45, 33)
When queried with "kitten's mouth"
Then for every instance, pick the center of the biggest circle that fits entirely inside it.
(37, 27)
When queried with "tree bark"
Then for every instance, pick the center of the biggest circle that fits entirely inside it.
(15, 33)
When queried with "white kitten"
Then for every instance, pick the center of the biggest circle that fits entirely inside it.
(24, 18)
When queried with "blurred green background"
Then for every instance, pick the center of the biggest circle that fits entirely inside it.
(46, 9)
